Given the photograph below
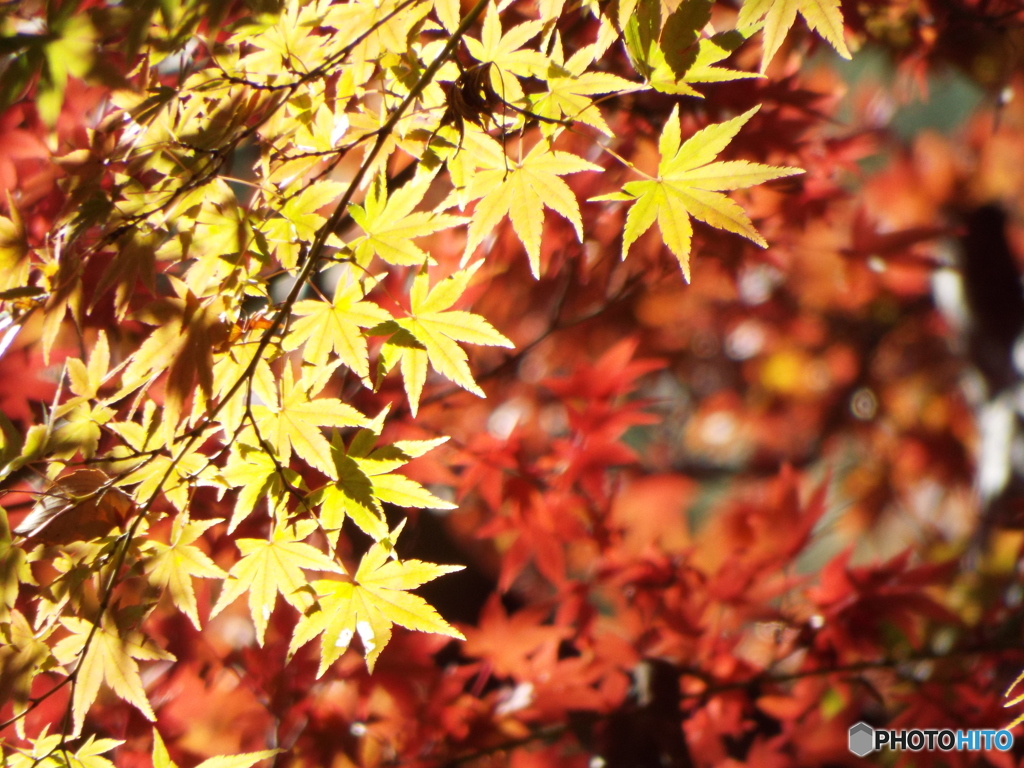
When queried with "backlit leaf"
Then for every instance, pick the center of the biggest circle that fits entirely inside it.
(688, 184)
(271, 566)
(172, 566)
(337, 327)
(521, 191)
(823, 16)
(110, 659)
(294, 423)
(431, 331)
(369, 606)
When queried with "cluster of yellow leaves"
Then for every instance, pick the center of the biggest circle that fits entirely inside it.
(247, 401)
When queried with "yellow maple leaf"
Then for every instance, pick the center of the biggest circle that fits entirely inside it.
(295, 423)
(390, 224)
(337, 326)
(299, 220)
(254, 473)
(271, 566)
(86, 380)
(521, 190)
(187, 331)
(79, 424)
(110, 659)
(46, 753)
(823, 16)
(688, 184)
(14, 569)
(369, 605)
(172, 566)
(228, 368)
(570, 87)
(151, 471)
(162, 759)
(430, 332)
(449, 12)
(674, 51)
(23, 655)
(506, 52)
(14, 251)
(366, 479)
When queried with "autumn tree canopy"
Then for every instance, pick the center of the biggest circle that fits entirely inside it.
(426, 383)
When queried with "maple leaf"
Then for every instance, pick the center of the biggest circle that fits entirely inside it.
(370, 604)
(79, 506)
(14, 251)
(86, 380)
(570, 86)
(78, 430)
(391, 225)
(507, 642)
(14, 569)
(295, 423)
(271, 566)
(78, 423)
(673, 54)
(149, 472)
(172, 566)
(253, 471)
(430, 332)
(823, 16)
(860, 604)
(711, 50)
(521, 190)
(299, 220)
(47, 752)
(134, 262)
(366, 479)
(540, 529)
(507, 54)
(162, 759)
(688, 184)
(23, 655)
(448, 13)
(187, 330)
(337, 327)
(228, 368)
(110, 658)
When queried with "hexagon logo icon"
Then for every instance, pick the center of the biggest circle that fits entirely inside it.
(862, 739)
